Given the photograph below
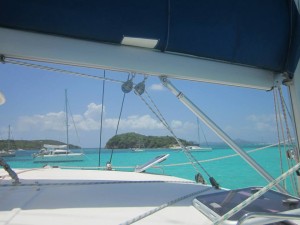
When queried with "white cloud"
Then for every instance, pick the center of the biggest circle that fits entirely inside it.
(55, 121)
(87, 124)
(156, 87)
(177, 124)
(94, 111)
(134, 122)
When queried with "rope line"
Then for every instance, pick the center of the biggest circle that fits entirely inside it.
(289, 138)
(220, 158)
(73, 121)
(158, 114)
(172, 202)
(101, 120)
(120, 114)
(180, 164)
(189, 155)
(283, 132)
(276, 109)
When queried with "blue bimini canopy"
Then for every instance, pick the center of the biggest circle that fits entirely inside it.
(256, 33)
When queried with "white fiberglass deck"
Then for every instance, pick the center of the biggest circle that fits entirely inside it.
(57, 196)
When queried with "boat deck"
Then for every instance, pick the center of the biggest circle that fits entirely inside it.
(58, 196)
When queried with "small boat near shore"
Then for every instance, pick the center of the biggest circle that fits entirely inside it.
(8, 151)
(137, 150)
(195, 148)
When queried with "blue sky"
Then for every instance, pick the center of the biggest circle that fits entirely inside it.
(35, 104)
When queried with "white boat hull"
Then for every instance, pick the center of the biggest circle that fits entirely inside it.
(199, 149)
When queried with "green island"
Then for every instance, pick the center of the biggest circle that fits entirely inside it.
(135, 140)
(31, 144)
(120, 141)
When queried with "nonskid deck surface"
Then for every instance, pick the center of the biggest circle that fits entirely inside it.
(58, 196)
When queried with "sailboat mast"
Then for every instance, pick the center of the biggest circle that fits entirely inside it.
(67, 119)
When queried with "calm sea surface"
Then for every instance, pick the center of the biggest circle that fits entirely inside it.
(228, 170)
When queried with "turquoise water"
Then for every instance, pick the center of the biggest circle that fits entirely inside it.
(232, 172)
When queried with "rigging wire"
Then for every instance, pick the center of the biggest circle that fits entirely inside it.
(282, 129)
(126, 85)
(66, 119)
(73, 121)
(275, 98)
(198, 124)
(189, 155)
(101, 119)
(52, 69)
(283, 106)
(289, 137)
(198, 131)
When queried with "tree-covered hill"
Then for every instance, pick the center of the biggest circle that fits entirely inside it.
(31, 144)
(134, 140)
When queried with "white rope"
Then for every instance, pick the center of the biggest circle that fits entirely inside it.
(188, 154)
(96, 167)
(222, 157)
(164, 122)
(255, 196)
(142, 216)
(48, 68)
(284, 130)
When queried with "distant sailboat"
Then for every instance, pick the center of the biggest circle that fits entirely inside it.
(8, 151)
(199, 148)
(58, 153)
(139, 148)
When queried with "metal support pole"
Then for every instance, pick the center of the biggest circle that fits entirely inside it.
(218, 131)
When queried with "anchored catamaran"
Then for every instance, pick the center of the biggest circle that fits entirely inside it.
(59, 153)
(8, 151)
